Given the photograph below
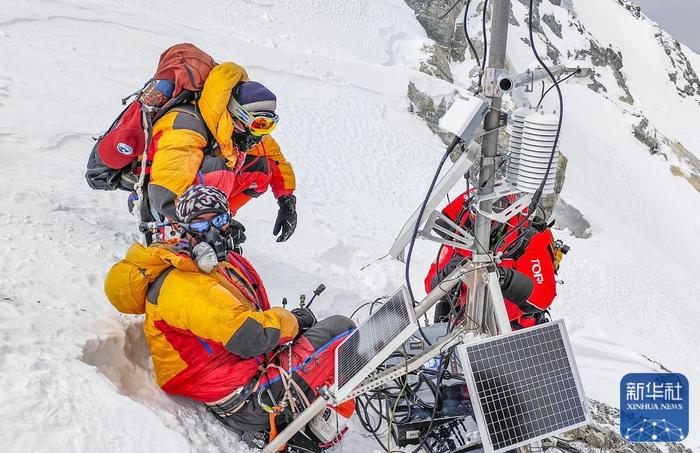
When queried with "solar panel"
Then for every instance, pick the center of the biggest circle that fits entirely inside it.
(526, 384)
(373, 342)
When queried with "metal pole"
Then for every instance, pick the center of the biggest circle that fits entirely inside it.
(497, 304)
(489, 144)
(489, 150)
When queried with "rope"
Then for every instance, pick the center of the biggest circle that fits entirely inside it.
(287, 398)
(139, 186)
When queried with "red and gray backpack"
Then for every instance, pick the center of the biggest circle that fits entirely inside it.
(114, 161)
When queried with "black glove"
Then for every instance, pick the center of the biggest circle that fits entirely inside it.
(236, 232)
(305, 318)
(235, 236)
(245, 140)
(452, 264)
(516, 287)
(286, 217)
(445, 271)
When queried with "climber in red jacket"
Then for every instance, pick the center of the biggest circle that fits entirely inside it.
(526, 273)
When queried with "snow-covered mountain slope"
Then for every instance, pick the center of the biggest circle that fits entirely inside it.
(634, 282)
(75, 375)
(641, 262)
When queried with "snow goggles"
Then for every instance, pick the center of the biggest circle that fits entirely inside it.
(202, 226)
(261, 123)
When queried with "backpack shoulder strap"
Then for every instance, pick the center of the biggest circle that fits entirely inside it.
(182, 98)
(191, 110)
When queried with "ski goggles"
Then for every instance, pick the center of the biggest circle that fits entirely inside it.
(202, 226)
(261, 123)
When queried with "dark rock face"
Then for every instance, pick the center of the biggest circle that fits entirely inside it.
(683, 75)
(512, 20)
(552, 23)
(635, 10)
(549, 202)
(552, 52)
(607, 56)
(437, 64)
(644, 134)
(438, 18)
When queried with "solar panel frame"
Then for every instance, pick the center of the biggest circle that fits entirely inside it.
(385, 342)
(481, 399)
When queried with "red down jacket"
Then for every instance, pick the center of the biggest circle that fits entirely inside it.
(536, 263)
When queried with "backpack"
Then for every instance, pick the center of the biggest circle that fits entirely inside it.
(114, 160)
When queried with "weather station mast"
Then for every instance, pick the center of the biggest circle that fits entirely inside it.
(498, 365)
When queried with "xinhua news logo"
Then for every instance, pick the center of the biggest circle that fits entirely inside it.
(654, 407)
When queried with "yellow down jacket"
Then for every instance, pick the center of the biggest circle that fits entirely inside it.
(207, 333)
(183, 136)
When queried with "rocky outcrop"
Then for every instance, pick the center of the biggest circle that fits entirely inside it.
(424, 106)
(438, 18)
(607, 56)
(550, 201)
(658, 143)
(682, 75)
(688, 159)
(635, 10)
(552, 23)
(436, 64)
(552, 52)
(603, 436)
(646, 135)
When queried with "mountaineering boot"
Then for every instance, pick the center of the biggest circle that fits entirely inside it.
(301, 442)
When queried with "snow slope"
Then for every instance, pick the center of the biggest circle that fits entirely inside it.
(635, 282)
(75, 375)
(72, 378)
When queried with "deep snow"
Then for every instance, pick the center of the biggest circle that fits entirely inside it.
(75, 375)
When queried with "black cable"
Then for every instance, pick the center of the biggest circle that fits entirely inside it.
(450, 148)
(444, 361)
(392, 414)
(451, 8)
(378, 300)
(544, 93)
(466, 35)
(366, 423)
(483, 30)
(390, 396)
(538, 194)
